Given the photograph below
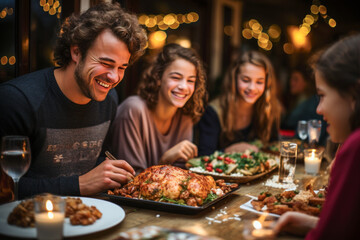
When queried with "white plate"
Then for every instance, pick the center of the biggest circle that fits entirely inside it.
(112, 215)
(247, 206)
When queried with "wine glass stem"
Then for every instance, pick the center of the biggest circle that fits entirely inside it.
(16, 187)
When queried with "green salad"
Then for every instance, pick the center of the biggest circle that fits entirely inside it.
(246, 163)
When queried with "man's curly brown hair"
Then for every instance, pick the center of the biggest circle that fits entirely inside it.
(84, 29)
(149, 87)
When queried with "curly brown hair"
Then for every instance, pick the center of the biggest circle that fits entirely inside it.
(149, 86)
(267, 107)
(83, 30)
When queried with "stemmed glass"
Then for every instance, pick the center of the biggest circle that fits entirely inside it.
(314, 131)
(15, 158)
(302, 129)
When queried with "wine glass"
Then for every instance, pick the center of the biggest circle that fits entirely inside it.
(15, 158)
(314, 131)
(302, 129)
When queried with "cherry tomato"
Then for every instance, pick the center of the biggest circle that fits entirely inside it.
(220, 158)
(219, 170)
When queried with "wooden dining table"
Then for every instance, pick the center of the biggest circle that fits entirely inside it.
(232, 228)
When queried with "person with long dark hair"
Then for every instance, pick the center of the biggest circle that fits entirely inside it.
(337, 76)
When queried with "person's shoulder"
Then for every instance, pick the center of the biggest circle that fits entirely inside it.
(184, 119)
(32, 85)
(213, 111)
(132, 106)
(30, 80)
(353, 140)
(113, 97)
(134, 102)
(351, 146)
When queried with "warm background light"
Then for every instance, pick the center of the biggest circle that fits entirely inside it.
(184, 42)
(4, 60)
(298, 38)
(52, 7)
(157, 39)
(288, 48)
(12, 60)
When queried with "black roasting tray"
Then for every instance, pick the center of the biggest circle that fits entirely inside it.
(164, 206)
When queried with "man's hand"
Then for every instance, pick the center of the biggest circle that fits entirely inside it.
(296, 223)
(109, 174)
(241, 147)
(184, 150)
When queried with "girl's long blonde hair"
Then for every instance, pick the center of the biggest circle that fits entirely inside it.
(267, 107)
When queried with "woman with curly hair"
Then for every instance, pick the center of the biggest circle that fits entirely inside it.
(156, 126)
(246, 110)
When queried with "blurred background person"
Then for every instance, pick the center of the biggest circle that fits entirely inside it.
(301, 102)
(301, 87)
(246, 110)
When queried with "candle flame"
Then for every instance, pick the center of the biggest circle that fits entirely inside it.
(49, 205)
(313, 154)
(257, 224)
(50, 215)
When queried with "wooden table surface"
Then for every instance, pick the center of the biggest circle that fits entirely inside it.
(231, 229)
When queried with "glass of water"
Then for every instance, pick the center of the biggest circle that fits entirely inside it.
(302, 129)
(15, 158)
(288, 155)
(314, 131)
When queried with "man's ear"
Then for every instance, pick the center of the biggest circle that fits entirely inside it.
(75, 53)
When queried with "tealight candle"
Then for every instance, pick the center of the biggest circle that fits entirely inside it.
(312, 161)
(258, 230)
(49, 219)
(49, 225)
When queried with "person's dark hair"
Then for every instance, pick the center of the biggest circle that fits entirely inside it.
(339, 65)
(84, 29)
(267, 107)
(149, 86)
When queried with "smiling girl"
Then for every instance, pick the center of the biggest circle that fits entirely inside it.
(247, 108)
(337, 76)
(155, 127)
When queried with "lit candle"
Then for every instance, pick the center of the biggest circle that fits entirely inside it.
(261, 233)
(49, 224)
(312, 161)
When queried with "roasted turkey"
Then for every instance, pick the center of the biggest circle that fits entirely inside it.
(173, 184)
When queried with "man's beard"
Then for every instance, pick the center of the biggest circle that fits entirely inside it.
(82, 83)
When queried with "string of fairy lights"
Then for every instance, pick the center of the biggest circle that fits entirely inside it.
(52, 7)
(266, 38)
(5, 59)
(157, 26)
